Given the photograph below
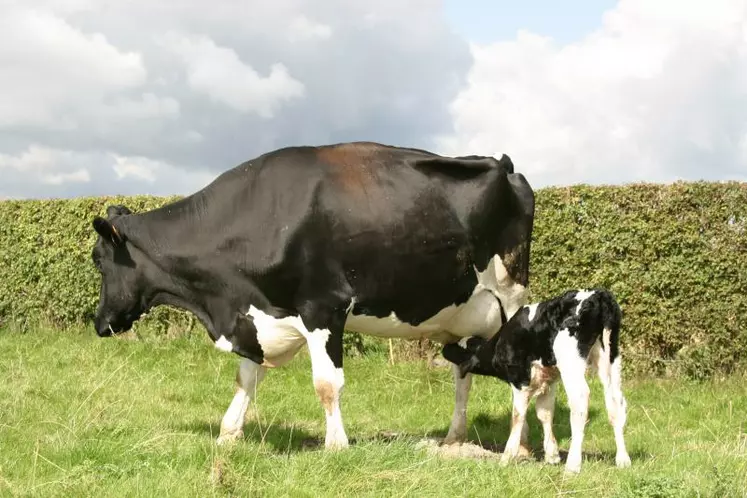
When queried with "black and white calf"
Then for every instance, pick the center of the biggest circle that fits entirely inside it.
(293, 247)
(541, 342)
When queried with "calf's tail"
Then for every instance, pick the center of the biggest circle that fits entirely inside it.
(612, 319)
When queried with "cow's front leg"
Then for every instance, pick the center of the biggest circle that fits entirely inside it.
(458, 428)
(325, 349)
(248, 377)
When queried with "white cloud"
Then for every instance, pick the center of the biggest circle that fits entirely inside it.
(91, 80)
(657, 94)
(41, 171)
(302, 29)
(49, 70)
(141, 168)
(219, 73)
(77, 176)
(47, 165)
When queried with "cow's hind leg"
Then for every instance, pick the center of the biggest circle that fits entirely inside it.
(248, 377)
(458, 428)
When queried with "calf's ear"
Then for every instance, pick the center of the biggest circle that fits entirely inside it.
(108, 231)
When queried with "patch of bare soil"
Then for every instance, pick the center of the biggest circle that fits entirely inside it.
(464, 450)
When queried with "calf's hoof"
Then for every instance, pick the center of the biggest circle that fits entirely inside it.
(337, 443)
(552, 458)
(229, 437)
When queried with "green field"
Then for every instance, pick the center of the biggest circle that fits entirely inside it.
(83, 416)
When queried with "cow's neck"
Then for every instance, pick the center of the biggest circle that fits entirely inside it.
(173, 223)
(171, 281)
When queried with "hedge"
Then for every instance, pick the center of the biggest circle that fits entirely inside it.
(674, 255)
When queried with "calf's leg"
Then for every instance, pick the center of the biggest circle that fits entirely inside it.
(577, 390)
(545, 407)
(248, 377)
(521, 399)
(611, 377)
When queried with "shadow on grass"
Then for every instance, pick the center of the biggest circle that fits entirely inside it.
(485, 431)
(281, 437)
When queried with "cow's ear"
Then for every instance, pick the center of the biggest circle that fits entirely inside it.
(117, 210)
(107, 230)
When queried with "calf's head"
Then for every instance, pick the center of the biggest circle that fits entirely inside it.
(121, 297)
(464, 354)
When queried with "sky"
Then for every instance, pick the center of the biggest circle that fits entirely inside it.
(104, 97)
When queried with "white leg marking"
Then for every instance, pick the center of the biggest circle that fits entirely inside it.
(611, 378)
(458, 428)
(521, 399)
(573, 372)
(224, 344)
(328, 383)
(545, 407)
(248, 378)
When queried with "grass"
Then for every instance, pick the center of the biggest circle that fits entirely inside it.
(83, 416)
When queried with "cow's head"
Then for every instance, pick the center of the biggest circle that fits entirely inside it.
(121, 299)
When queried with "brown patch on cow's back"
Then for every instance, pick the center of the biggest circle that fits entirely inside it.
(326, 394)
(353, 165)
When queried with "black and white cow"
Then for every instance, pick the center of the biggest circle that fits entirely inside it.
(542, 342)
(294, 246)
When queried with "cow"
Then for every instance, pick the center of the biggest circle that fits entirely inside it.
(295, 246)
(542, 342)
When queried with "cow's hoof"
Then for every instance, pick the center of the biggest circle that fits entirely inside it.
(552, 458)
(229, 437)
(622, 461)
(572, 468)
(454, 438)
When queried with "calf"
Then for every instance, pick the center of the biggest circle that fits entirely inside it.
(541, 342)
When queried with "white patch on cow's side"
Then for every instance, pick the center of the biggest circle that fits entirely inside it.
(280, 338)
(248, 378)
(224, 344)
(532, 311)
(581, 296)
(479, 316)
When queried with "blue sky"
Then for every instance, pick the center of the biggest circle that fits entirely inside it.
(486, 21)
